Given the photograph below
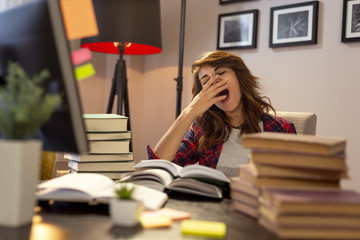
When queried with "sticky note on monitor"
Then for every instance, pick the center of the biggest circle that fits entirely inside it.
(79, 18)
(84, 71)
(80, 56)
(204, 228)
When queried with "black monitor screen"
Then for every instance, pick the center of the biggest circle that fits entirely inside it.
(33, 35)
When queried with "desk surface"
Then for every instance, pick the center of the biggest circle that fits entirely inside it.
(78, 221)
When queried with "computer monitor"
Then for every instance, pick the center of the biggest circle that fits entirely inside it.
(33, 35)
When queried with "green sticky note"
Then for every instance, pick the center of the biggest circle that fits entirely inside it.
(203, 228)
(84, 71)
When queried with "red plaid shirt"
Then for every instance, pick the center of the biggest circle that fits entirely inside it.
(187, 153)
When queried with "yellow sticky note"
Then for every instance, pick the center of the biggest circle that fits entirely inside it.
(79, 18)
(84, 71)
(203, 228)
(155, 220)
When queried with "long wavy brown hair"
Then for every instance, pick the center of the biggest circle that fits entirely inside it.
(214, 121)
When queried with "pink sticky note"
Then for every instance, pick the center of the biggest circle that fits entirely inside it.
(81, 55)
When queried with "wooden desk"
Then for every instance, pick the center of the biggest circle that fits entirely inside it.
(78, 221)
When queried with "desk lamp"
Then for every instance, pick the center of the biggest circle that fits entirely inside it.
(125, 27)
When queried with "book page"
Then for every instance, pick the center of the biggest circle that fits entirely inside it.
(173, 168)
(203, 172)
(70, 186)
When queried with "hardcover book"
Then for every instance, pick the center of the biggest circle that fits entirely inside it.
(99, 157)
(105, 122)
(312, 201)
(294, 143)
(287, 159)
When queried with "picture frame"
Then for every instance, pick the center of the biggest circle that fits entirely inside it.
(237, 30)
(351, 21)
(223, 2)
(295, 24)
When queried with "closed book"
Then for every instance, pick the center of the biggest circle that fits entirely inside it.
(102, 166)
(246, 209)
(265, 170)
(108, 135)
(109, 147)
(241, 185)
(312, 201)
(291, 232)
(247, 173)
(287, 159)
(105, 122)
(99, 157)
(309, 219)
(243, 197)
(295, 143)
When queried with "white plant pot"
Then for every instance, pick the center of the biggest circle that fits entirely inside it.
(125, 213)
(19, 172)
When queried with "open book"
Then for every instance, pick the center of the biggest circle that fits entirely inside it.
(94, 188)
(165, 175)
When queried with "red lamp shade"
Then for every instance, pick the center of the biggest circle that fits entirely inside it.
(133, 22)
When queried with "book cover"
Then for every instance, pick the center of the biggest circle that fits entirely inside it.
(295, 143)
(105, 122)
(310, 232)
(313, 201)
(246, 209)
(238, 184)
(246, 198)
(309, 219)
(287, 159)
(102, 166)
(109, 147)
(99, 157)
(108, 135)
(266, 170)
(247, 173)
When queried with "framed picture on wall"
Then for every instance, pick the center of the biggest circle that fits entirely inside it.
(222, 2)
(294, 24)
(237, 30)
(351, 21)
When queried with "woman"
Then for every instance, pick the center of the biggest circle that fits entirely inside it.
(226, 104)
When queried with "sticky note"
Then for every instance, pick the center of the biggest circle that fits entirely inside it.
(155, 220)
(80, 56)
(84, 71)
(79, 18)
(173, 214)
(203, 228)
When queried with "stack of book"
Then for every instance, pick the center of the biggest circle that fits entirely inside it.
(109, 142)
(311, 214)
(288, 161)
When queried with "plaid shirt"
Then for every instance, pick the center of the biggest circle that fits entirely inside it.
(187, 153)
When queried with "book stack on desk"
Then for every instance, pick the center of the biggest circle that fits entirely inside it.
(109, 142)
(311, 214)
(289, 161)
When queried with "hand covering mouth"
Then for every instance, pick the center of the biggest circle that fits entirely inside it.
(224, 92)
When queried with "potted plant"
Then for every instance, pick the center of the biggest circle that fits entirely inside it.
(24, 108)
(124, 210)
